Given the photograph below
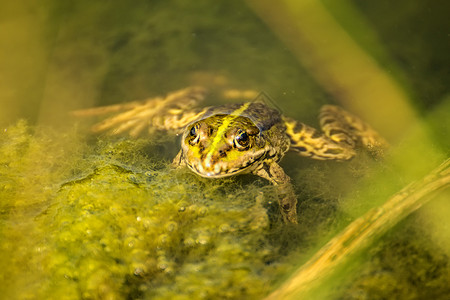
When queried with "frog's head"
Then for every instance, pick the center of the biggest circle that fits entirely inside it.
(222, 145)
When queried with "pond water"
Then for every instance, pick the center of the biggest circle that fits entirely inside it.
(99, 217)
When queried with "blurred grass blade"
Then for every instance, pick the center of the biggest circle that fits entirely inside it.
(362, 232)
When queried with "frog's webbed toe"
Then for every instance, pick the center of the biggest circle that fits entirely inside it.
(172, 112)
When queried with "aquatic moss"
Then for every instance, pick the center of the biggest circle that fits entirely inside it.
(121, 225)
(113, 220)
(156, 234)
(32, 166)
(32, 162)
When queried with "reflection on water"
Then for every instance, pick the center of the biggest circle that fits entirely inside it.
(110, 219)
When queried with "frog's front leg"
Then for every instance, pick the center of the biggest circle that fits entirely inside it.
(287, 200)
(178, 161)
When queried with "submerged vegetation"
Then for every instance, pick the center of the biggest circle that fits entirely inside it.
(117, 229)
(104, 218)
(113, 220)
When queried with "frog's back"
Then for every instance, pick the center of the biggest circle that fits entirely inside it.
(263, 116)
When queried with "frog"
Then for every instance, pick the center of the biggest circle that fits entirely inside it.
(250, 137)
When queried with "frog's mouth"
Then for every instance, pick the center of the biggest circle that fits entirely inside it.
(217, 171)
(220, 169)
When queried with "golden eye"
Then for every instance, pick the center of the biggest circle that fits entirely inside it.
(194, 134)
(241, 140)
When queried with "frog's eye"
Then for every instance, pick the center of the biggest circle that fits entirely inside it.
(241, 140)
(194, 134)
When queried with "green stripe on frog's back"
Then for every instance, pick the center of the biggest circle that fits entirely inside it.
(263, 116)
(223, 128)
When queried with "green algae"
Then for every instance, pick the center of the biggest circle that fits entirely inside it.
(155, 234)
(76, 220)
(32, 166)
(127, 226)
(113, 220)
(32, 163)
